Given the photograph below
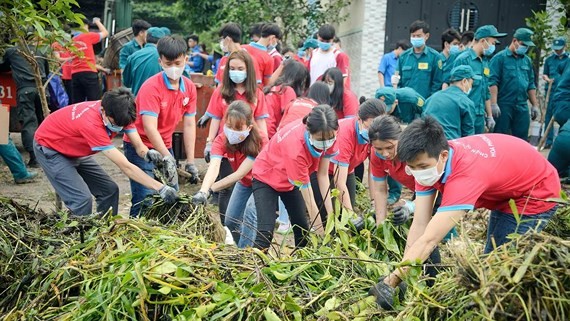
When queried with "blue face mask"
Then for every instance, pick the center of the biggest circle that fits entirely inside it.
(238, 76)
(418, 42)
(380, 156)
(270, 47)
(454, 49)
(111, 127)
(325, 45)
(489, 51)
(301, 53)
(521, 50)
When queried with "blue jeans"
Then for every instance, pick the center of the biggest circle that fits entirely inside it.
(283, 215)
(139, 192)
(13, 159)
(242, 227)
(502, 224)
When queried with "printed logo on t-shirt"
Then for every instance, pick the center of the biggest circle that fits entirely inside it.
(163, 104)
(77, 112)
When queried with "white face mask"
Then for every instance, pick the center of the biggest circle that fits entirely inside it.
(234, 136)
(223, 47)
(322, 144)
(425, 177)
(173, 72)
(331, 87)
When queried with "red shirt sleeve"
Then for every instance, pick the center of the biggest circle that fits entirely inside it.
(216, 105)
(220, 72)
(297, 167)
(91, 37)
(267, 71)
(219, 146)
(274, 111)
(343, 63)
(350, 104)
(454, 197)
(190, 107)
(96, 137)
(260, 109)
(345, 141)
(130, 128)
(277, 60)
(377, 168)
(148, 102)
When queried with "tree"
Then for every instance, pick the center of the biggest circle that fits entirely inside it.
(26, 24)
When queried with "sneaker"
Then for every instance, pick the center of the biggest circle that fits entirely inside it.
(28, 179)
(284, 228)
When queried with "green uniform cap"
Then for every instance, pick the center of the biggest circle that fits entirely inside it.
(156, 32)
(389, 95)
(524, 35)
(488, 31)
(462, 72)
(310, 43)
(559, 43)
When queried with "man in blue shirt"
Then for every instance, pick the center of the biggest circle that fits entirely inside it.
(195, 62)
(389, 63)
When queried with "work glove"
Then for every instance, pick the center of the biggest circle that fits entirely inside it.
(170, 170)
(395, 80)
(496, 110)
(168, 194)
(490, 123)
(403, 213)
(358, 222)
(153, 156)
(385, 294)
(203, 121)
(200, 198)
(534, 113)
(207, 151)
(192, 169)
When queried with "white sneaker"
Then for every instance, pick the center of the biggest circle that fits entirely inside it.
(229, 238)
(284, 228)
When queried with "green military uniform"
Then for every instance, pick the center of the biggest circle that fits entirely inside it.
(421, 72)
(410, 102)
(553, 66)
(448, 64)
(561, 97)
(452, 107)
(480, 91)
(142, 65)
(127, 50)
(514, 77)
(559, 155)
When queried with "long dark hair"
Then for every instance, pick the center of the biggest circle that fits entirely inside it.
(321, 119)
(238, 114)
(229, 87)
(336, 100)
(294, 75)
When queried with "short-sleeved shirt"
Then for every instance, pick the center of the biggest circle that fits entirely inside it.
(220, 72)
(77, 130)
(321, 61)
(486, 171)
(448, 64)
(514, 77)
(217, 106)
(423, 73)
(480, 90)
(289, 159)
(262, 60)
(387, 67)
(551, 67)
(84, 42)
(276, 100)
(453, 110)
(295, 110)
(66, 66)
(157, 98)
(127, 50)
(349, 105)
(561, 97)
(353, 149)
(380, 168)
(277, 58)
(236, 158)
(410, 104)
(140, 66)
(197, 60)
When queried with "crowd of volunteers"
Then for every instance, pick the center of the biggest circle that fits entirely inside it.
(285, 128)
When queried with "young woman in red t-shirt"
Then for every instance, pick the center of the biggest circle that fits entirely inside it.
(302, 106)
(342, 99)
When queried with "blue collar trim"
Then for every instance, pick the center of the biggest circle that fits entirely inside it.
(448, 166)
(169, 86)
(379, 155)
(310, 147)
(361, 141)
(258, 46)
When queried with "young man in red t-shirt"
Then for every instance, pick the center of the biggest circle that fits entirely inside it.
(481, 171)
(163, 100)
(66, 140)
(259, 51)
(230, 37)
(84, 78)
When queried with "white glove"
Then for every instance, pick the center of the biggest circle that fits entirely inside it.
(395, 80)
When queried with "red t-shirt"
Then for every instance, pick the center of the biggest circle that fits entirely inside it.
(381, 168)
(349, 105)
(262, 60)
(276, 100)
(220, 150)
(277, 58)
(218, 106)
(353, 149)
(77, 130)
(66, 66)
(289, 159)
(84, 42)
(157, 98)
(295, 110)
(486, 171)
(221, 67)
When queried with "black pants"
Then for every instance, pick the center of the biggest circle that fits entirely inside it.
(85, 86)
(266, 202)
(68, 89)
(30, 114)
(319, 199)
(225, 194)
(359, 172)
